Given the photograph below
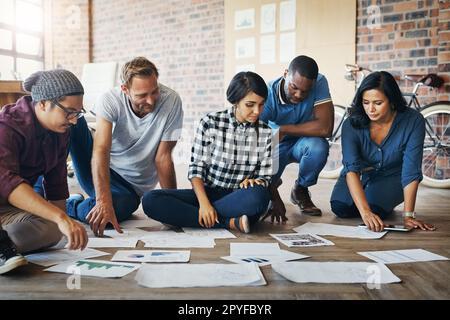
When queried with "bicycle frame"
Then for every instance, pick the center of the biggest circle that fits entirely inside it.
(335, 136)
(414, 102)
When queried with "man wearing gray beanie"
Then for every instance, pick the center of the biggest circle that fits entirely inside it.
(34, 138)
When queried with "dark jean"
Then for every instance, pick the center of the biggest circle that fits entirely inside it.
(383, 195)
(125, 199)
(180, 207)
(310, 153)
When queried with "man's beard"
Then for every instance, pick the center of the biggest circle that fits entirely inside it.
(143, 109)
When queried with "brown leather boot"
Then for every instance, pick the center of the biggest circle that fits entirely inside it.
(301, 197)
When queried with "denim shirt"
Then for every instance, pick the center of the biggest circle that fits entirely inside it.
(400, 153)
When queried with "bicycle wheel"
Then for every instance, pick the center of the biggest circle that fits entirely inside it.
(436, 154)
(333, 166)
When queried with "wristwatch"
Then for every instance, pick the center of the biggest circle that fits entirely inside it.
(409, 214)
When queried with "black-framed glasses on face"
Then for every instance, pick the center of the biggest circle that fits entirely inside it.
(70, 115)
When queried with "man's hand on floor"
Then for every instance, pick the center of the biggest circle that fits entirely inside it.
(100, 215)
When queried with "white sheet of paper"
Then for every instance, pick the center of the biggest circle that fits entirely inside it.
(251, 249)
(325, 229)
(95, 268)
(287, 46)
(158, 235)
(111, 243)
(178, 240)
(151, 256)
(212, 233)
(245, 48)
(335, 272)
(267, 49)
(199, 275)
(287, 15)
(402, 256)
(268, 17)
(264, 260)
(129, 233)
(52, 257)
(244, 19)
(301, 240)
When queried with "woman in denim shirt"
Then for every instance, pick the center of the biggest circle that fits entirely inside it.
(382, 146)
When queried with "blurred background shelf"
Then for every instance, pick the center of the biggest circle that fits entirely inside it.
(10, 91)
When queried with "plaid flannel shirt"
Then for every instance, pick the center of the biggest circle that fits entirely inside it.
(225, 152)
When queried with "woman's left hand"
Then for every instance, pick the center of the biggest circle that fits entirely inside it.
(413, 223)
(251, 182)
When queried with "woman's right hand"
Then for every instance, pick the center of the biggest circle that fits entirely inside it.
(373, 221)
(76, 234)
(207, 215)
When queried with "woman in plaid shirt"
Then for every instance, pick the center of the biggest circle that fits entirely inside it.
(230, 168)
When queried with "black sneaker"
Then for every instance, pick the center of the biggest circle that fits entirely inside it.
(9, 258)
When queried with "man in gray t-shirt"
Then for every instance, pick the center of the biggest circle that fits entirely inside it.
(137, 127)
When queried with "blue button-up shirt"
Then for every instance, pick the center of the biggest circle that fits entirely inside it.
(277, 112)
(400, 153)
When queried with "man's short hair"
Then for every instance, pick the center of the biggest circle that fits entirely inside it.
(138, 67)
(305, 66)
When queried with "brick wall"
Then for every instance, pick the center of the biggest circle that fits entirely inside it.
(185, 39)
(68, 36)
(412, 37)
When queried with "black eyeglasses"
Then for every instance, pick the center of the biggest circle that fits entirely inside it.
(70, 115)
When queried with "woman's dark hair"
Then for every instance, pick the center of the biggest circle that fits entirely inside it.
(384, 82)
(243, 83)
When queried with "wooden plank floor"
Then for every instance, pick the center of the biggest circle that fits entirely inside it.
(428, 280)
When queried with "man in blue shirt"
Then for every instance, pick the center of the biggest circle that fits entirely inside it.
(299, 105)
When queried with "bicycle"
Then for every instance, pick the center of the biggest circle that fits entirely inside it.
(333, 166)
(436, 150)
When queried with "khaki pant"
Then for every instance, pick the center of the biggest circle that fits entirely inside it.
(28, 231)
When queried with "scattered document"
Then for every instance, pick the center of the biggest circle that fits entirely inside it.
(127, 234)
(151, 256)
(264, 260)
(212, 233)
(111, 243)
(302, 240)
(52, 257)
(402, 256)
(260, 253)
(326, 229)
(95, 268)
(158, 235)
(178, 240)
(199, 275)
(335, 272)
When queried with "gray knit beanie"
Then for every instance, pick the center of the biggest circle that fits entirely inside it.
(53, 84)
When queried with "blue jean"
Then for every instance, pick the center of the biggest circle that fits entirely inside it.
(382, 193)
(180, 207)
(39, 187)
(125, 199)
(310, 153)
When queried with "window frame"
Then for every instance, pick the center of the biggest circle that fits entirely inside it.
(16, 29)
